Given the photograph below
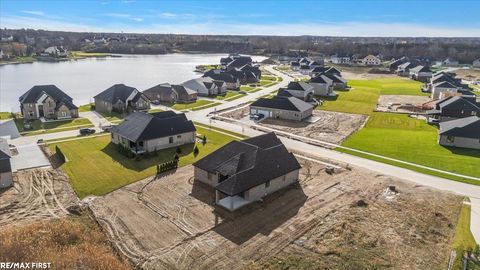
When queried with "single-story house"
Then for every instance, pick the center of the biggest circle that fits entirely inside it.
(205, 86)
(371, 60)
(454, 107)
(282, 107)
(144, 132)
(322, 86)
(463, 132)
(166, 92)
(318, 70)
(305, 69)
(239, 62)
(440, 88)
(393, 65)
(404, 69)
(47, 101)
(243, 172)
(231, 82)
(421, 73)
(450, 62)
(339, 83)
(295, 65)
(301, 90)
(120, 98)
(6, 177)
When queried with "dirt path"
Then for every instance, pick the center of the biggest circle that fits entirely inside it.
(37, 194)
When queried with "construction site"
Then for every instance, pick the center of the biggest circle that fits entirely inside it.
(338, 216)
(402, 104)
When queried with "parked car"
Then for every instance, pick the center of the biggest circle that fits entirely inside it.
(107, 128)
(258, 116)
(87, 131)
(155, 102)
(39, 141)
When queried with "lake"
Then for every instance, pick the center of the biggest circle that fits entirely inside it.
(85, 78)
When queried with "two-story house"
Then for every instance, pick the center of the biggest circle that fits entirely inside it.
(120, 98)
(48, 102)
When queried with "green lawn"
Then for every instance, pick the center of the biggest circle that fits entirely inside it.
(362, 99)
(397, 135)
(5, 115)
(186, 106)
(155, 110)
(80, 54)
(86, 108)
(206, 106)
(269, 78)
(51, 127)
(230, 95)
(113, 116)
(463, 239)
(95, 167)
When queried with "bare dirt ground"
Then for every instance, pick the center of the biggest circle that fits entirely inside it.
(468, 74)
(237, 114)
(333, 127)
(339, 219)
(401, 103)
(36, 194)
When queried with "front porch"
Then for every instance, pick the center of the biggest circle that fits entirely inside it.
(230, 203)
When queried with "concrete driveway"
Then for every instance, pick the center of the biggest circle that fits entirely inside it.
(29, 156)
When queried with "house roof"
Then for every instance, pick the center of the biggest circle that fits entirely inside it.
(221, 76)
(332, 70)
(163, 88)
(240, 61)
(336, 78)
(288, 104)
(32, 95)
(67, 103)
(140, 126)
(295, 63)
(468, 127)
(299, 86)
(116, 92)
(319, 69)
(249, 163)
(420, 68)
(445, 84)
(321, 78)
(282, 92)
(5, 165)
(182, 90)
(459, 103)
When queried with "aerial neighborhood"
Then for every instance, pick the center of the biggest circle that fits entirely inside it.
(248, 158)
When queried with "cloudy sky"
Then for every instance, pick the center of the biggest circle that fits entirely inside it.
(248, 17)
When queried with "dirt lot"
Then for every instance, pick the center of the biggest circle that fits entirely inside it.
(237, 114)
(333, 127)
(401, 103)
(36, 194)
(468, 74)
(346, 220)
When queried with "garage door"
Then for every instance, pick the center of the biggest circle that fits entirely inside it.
(266, 113)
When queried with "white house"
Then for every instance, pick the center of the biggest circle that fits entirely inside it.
(371, 60)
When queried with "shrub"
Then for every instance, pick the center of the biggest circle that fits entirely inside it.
(178, 150)
(196, 151)
(204, 140)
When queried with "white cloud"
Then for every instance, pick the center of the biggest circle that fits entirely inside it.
(361, 29)
(168, 15)
(33, 12)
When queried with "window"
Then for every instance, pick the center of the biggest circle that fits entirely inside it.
(284, 178)
(450, 139)
(267, 184)
(170, 140)
(179, 136)
(30, 113)
(30, 105)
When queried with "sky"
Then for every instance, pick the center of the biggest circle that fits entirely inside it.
(282, 17)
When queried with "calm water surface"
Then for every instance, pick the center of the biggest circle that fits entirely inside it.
(83, 79)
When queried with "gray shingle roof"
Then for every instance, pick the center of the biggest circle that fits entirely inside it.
(32, 95)
(468, 127)
(299, 86)
(288, 104)
(116, 92)
(249, 163)
(139, 126)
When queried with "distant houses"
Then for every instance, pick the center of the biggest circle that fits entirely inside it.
(453, 107)
(142, 132)
(394, 64)
(444, 84)
(243, 172)
(371, 60)
(206, 86)
(6, 177)
(120, 98)
(231, 81)
(236, 69)
(169, 93)
(48, 102)
(450, 62)
(476, 63)
(55, 51)
(463, 132)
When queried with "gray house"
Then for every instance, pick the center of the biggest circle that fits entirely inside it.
(454, 107)
(243, 172)
(421, 73)
(143, 132)
(120, 98)
(463, 132)
(206, 86)
(300, 90)
(322, 86)
(166, 92)
(282, 107)
(6, 178)
(48, 102)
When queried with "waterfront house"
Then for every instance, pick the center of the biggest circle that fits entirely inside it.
(121, 98)
(243, 172)
(142, 132)
(166, 92)
(47, 102)
(463, 132)
(206, 86)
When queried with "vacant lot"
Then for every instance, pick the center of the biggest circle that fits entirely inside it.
(362, 99)
(95, 167)
(37, 194)
(401, 103)
(342, 221)
(333, 127)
